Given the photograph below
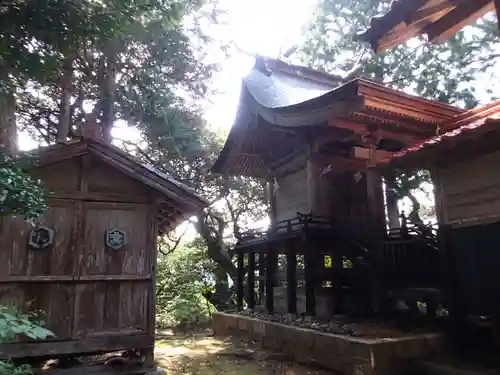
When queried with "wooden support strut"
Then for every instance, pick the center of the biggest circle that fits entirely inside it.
(291, 277)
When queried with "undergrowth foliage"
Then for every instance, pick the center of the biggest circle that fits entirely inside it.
(182, 279)
(15, 325)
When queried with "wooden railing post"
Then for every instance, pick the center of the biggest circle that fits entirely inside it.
(291, 277)
(270, 270)
(251, 279)
(309, 271)
(239, 279)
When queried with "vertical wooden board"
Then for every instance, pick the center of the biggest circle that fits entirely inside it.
(102, 178)
(13, 245)
(111, 313)
(95, 257)
(61, 177)
(54, 303)
(89, 309)
(18, 259)
(12, 295)
(129, 260)
(134, 306)
(56, 259)
(135, 222)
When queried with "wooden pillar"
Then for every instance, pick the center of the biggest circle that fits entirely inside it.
(239, 279)
(272, 202)
(391, 200)
(262, 273)
(270, 270)
(375, 203)
(291, 277)
(251, 279)
(309, 272)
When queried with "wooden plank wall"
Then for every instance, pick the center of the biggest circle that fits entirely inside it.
(470, 191)
(85, 290)
(292, 195)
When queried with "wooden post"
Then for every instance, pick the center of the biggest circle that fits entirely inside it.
(239, 279)
(291, 277)
(451, 292)
(270, 269)
(309, 272)
(262, 272)
(251, 279)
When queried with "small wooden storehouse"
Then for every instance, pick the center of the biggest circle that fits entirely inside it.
(89, 264)
(316, 138)
(437, 19)
(464, 163)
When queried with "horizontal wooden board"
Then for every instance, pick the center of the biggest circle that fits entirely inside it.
(470, 191)
(89, 345)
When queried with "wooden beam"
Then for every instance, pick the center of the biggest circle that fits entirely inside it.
(339, 162)
(497, 9)
(89, 345)
(435, 11)
(374, 156)
(455, 20)
(363, 128)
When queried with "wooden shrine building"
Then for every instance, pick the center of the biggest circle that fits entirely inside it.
(316, 140)
(89, 263)
(437, 19)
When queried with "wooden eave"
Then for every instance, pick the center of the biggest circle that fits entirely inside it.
(438, 19)
(176, 202)
(360, 106)
(473, 132)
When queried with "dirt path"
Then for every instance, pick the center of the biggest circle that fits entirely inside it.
(205, 355)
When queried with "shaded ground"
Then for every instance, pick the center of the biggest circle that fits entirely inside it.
(201, 354)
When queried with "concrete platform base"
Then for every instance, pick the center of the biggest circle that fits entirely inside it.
(344, 354)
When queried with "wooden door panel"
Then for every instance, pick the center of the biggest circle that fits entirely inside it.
(133, 258)
(18, 259)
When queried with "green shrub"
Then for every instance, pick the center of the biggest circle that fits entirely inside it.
(13, 325)
(182, 278)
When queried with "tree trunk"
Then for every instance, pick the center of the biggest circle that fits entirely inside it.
(108, 90)
(65, 103)
(8, 130)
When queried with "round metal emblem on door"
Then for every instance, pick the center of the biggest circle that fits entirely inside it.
(116, 238)
(40, 238)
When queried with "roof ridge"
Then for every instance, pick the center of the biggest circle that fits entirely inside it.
(301, 71)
